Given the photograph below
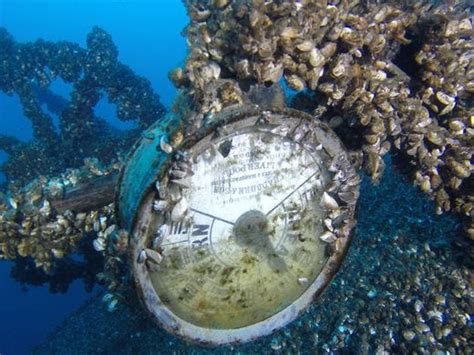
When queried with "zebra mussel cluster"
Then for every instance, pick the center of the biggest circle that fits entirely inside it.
(29, 69)
(388, 76)
(170, 205)
(30, 227)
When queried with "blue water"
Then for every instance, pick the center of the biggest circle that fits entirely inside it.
(147, 34)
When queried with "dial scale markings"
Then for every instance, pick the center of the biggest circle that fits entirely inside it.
(231, 275)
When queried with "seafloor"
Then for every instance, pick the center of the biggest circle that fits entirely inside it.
(404, 287)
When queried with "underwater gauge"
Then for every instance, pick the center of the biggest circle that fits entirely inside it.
(238, 228)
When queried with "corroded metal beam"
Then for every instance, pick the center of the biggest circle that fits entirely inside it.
(95, 193)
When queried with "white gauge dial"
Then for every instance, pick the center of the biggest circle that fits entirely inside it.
(245, 224)
(248, 245)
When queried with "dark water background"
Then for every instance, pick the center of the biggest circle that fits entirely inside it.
(147, 34)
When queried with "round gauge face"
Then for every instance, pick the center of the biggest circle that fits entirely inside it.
(245, 226)
(248, 245)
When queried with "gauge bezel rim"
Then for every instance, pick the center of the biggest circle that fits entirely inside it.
(215, 337)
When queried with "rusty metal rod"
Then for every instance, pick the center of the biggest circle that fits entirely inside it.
(96, 193)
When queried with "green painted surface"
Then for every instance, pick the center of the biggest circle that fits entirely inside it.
(144, 163)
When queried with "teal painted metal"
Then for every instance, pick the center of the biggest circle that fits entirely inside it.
(144, 163)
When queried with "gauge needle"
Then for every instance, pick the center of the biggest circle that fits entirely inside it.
(291, 193)
(210, 215)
